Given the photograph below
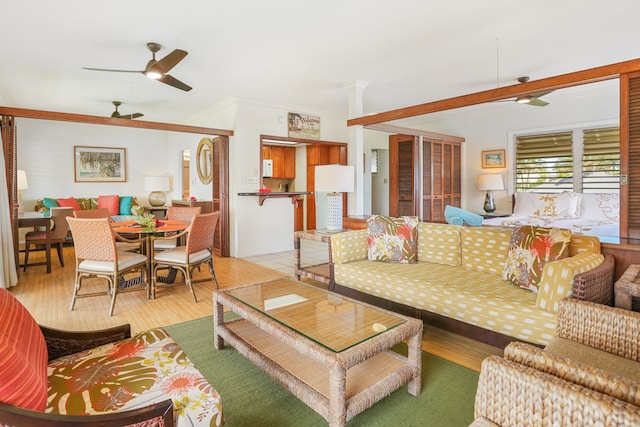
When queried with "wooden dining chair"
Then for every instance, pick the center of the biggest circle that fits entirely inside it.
(121, 242)
(198, 250)
(176, 213)
(58, 235)
(97, 256)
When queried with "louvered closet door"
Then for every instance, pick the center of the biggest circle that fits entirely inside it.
(630, 157)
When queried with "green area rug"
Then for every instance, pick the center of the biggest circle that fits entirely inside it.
(251, 398)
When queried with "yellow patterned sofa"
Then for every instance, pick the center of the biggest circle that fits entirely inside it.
(457, 284)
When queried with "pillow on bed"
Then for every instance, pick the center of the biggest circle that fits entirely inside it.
(530, 249)
(601, 207)
(542, 205)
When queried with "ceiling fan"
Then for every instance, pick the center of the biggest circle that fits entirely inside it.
(116, 114)
(532, 99)
(158, 69)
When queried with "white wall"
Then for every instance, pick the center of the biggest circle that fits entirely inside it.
(45, 151)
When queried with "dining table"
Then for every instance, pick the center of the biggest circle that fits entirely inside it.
(129, 228)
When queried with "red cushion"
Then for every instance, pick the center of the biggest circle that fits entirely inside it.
(110, 202)
(23, 356)
(69, 202)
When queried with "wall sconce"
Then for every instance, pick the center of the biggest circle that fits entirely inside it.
(157, 185)
(489, 182)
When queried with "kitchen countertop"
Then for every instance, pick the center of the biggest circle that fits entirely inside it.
(295, 195)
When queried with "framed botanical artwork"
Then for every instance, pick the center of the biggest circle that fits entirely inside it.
(99, 164)
(493, 159)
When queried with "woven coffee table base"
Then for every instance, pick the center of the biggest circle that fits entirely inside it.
(337, 385)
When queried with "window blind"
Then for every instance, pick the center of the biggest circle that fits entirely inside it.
(544, 162)
(601, 160)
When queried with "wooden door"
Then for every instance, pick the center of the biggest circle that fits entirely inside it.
(220, 193)
(403, 175)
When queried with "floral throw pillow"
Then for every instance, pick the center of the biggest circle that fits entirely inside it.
(393, 239)
(530, 249)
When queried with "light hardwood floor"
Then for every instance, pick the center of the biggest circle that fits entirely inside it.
(48, 296)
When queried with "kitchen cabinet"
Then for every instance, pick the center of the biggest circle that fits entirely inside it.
(284, 160)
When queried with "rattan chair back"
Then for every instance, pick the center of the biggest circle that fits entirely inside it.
(93, 239)
(201, 232)
(182, 213)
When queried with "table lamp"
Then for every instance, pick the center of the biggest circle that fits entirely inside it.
(489, 182)
(334, 179)
(23, 184)
(157, 185)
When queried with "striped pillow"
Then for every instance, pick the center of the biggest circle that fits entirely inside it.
(23, 356)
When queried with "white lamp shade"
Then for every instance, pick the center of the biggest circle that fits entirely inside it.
(22, 180)
(334, 178)
(490, 182)
(156, 183)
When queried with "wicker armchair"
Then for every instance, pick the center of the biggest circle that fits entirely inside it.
(588, 375)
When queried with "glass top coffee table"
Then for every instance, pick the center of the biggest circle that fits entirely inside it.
(330, 351)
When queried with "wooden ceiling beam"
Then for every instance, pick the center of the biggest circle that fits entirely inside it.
(592, 75)
(98, 120)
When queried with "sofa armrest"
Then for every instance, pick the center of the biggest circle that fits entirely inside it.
(157, 414)
(63, 343)
(596, 285)
(609, 329)
(574, 371)
(510, 394)
(349, 246)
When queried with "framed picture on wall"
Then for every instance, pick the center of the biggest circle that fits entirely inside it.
(303, 126)
(99, 164)
(493, 159)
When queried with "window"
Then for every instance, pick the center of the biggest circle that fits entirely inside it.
(601, 160)
(544, 163)
(581, 160)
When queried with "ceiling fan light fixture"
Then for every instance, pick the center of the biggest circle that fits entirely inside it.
(153, 75)
(525, 99)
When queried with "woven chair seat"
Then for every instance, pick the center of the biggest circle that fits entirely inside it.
(125, 260)
(179, 256)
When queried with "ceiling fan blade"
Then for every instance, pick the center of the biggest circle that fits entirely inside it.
(172, 81)
(537, 102)
(115, 71)
(165, 64)
(541, 94)
(131, 116)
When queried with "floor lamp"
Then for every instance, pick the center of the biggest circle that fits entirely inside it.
(335, 180)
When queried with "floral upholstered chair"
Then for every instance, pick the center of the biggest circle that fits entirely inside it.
(108, 378)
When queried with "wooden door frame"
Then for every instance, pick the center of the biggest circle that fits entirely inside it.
(10, 146)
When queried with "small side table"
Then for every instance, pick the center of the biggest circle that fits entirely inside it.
(317, 272)
(627, 289)
(486, 215)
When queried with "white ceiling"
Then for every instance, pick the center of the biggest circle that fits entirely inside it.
(299, 53)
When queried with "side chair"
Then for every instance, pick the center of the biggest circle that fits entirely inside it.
(176, 213)
(198, 250)
(121, 242)
(97, 257)
(58, 235)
